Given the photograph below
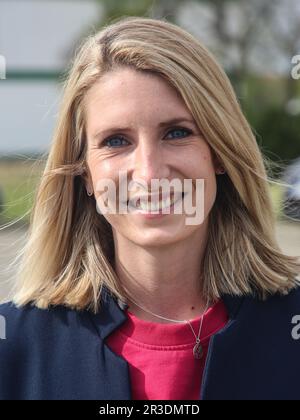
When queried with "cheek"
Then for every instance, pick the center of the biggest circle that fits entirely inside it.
(100, 168)
(198, 164)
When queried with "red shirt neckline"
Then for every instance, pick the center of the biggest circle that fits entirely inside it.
(173, 334)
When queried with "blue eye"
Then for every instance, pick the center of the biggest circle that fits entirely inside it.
(178, 130)
(114, 141)
(118, 140)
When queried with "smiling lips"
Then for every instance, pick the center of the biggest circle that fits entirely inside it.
(154, 202)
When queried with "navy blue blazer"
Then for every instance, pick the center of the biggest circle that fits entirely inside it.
(61, 353)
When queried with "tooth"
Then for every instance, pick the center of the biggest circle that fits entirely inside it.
(149, 206)
(154, 206)
(144, 206)
(166, 203)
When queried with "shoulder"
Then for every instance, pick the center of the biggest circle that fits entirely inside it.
(18, 320)
(246, 306)
(276, 316)
(35, 340)
(28, 331)
(281, 304)
(30, 324)
(273, 318)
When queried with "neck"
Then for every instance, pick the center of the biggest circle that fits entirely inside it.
(163, 280)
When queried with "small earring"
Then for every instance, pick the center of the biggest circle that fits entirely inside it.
(89, 193)
(221, 171)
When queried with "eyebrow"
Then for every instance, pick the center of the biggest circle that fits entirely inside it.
(162, 124)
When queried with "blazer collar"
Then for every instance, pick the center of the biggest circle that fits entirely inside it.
(112, 312)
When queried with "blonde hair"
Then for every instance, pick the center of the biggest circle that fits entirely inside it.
(69, 254)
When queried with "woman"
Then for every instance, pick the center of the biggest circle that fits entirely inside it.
(142, 304)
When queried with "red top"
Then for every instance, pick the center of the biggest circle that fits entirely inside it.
(160, 356)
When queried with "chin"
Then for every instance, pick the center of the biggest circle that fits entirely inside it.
(159, 236)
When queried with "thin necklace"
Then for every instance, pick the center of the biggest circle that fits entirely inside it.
(197, 349)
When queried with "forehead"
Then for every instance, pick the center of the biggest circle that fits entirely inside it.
(123, 93)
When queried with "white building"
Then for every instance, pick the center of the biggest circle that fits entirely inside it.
(36, 37)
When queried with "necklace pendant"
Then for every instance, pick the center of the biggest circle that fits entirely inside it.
(198, 350)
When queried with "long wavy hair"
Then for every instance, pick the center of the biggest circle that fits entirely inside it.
(69, 254)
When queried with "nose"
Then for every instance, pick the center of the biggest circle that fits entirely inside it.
(149, 162)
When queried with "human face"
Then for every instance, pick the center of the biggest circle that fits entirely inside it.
(139, 103)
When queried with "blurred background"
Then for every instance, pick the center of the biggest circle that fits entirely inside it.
(256, 41)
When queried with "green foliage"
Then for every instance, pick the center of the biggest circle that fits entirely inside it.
(263, 101)
(114, 9)
(277, 192)
(18, 181)
(278, 133)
